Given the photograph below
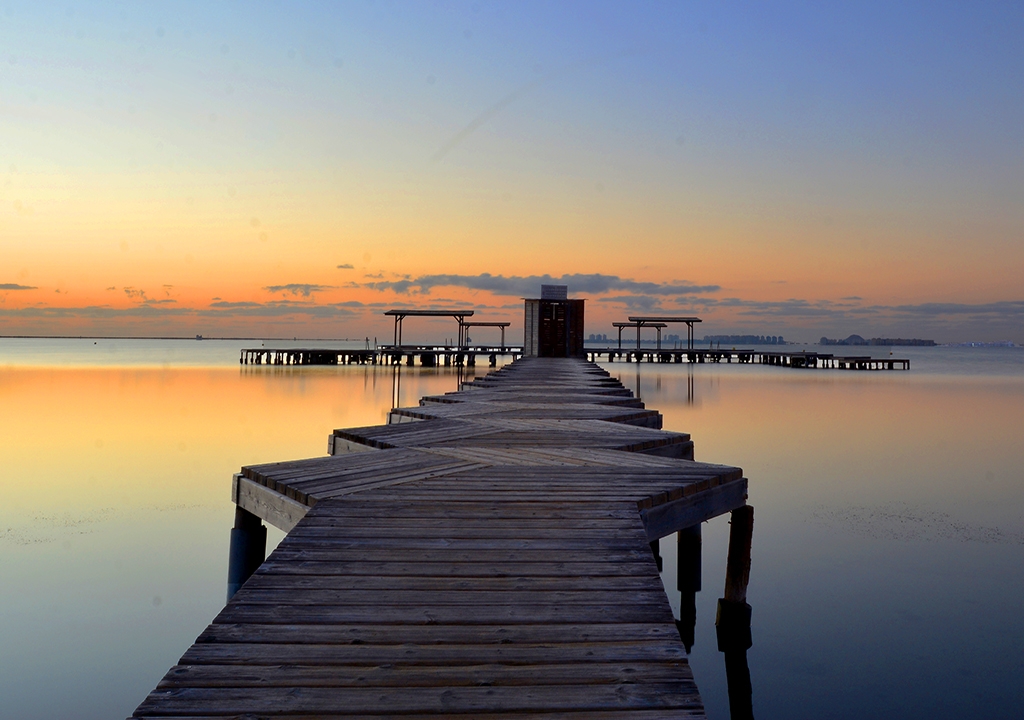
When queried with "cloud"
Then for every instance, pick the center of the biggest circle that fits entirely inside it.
(303, 289)
(228, 304)
(1010, 309)
(135, 294)
(529, 285)
(277, 308)
(634, 302)
(398, 286)
(16, 286)
(346, 266)
(167, 308)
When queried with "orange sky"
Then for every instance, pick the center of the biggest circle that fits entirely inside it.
(198, 172)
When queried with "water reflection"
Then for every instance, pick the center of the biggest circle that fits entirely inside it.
(396, 385)
(116, 505)
(733, 618)
(873, 491)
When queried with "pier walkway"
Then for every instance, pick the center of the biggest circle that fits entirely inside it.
(486, 554)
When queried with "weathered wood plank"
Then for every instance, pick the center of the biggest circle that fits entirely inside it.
(379, 634)
(238, 612)
(432, 654)
(375, 701)
(389, 675)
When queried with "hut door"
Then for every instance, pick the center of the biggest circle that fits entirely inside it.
(553, 331)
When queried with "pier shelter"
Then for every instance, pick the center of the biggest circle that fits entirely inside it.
(553, 326)
(402, 313)
(622, 325)
(652, 320)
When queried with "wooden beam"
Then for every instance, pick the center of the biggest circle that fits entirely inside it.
(676, 515)
(280, 511)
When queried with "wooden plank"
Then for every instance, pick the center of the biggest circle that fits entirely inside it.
(431, 654)
(277, 674)
(407, 700)
(238, 612)
(379, 634)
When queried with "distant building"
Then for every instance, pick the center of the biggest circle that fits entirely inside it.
(746, 339)
(858, 340)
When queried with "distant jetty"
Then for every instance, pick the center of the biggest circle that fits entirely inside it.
(858, 340)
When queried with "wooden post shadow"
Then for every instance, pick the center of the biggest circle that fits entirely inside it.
(733, 621)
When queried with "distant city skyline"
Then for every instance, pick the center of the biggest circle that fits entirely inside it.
(280, 170)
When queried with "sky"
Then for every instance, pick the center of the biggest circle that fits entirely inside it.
(286, 169)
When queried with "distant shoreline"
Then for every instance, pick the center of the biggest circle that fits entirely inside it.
(171, 337)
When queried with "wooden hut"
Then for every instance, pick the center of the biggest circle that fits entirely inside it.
(554, 324)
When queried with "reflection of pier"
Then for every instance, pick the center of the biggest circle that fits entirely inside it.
(488, 552)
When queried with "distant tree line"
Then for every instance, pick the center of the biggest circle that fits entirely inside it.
(858, 340)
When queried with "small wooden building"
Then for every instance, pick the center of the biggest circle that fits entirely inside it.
(554, 324)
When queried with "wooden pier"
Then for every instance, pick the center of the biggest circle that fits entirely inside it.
(488, 554)
(802, 359)
(440, 355)
(427, 355)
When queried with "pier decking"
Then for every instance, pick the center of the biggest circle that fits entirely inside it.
(487, 554)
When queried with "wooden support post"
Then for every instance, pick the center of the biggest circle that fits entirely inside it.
(733, 621)
(688, 544)
(248, 549)
(737, 573)
(688, 552)
(656, 550)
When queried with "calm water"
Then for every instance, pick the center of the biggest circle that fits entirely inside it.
(888, 538)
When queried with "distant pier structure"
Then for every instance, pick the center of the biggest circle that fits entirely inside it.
(553, 327)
